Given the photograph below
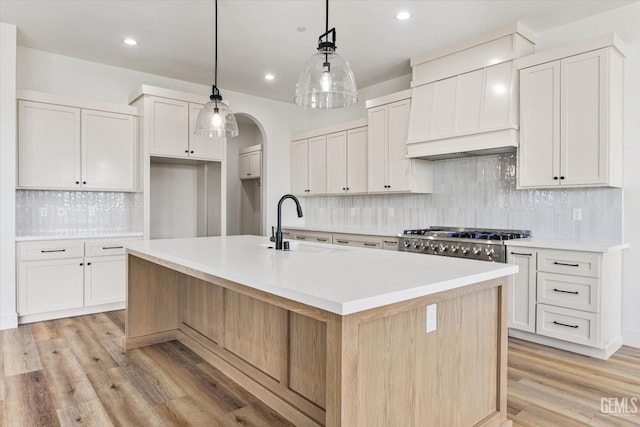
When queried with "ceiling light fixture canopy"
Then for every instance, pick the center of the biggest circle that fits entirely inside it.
(326, 80)
(215, 119)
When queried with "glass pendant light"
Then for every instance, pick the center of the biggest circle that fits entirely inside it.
(215, 119)
(326, 80)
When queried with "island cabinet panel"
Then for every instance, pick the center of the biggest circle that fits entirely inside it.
(256, 332)
(399, 365)
(308, 358)
(201, 307)
(154, 299)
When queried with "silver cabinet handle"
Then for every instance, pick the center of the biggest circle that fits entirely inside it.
(566, 264)
(519, 253)
(113, 247)
(566, 292)
(46, 251)
(565, 324)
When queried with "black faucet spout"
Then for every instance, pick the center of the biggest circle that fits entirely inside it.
(279, 229)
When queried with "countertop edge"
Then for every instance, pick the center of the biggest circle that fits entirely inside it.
(569, 245)
(79, 237)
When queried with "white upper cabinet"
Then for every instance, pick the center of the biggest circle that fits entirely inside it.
(389, 170)
(71, 148)
(250, 162)
(300, 167)
(48, 146)
(317, 165)
(571, 120)
(347, 161)
(171, 127)
(108, 151)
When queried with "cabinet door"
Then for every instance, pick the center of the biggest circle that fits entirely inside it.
(201, 147)
(108, 151)
(399, 166)
(378, 148)
(584, 113)
(522, 290)
(357, 160)
(539, 152)
(337, 163)
(168, 127)
(50, 285)
(244, 166)
(300, 167)
(255, 164)
(104, 280)
(48, 146)
(317, 165)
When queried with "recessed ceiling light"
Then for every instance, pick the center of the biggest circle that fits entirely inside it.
(301, 29)
(269, 77)
(130, 42)
(403, 16)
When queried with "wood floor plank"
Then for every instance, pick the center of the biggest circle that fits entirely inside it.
(28, 401)
(249, 417)
(3, 413)
(156, 384)
(185, 411)
(90, 413)
(118, 318)
(124, 404)
(102, 327)
(20, 352)
(92, 356)
(47, 330)
(68, 384)
(205, 390)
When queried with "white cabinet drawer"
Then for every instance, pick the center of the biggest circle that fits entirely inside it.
(50, 249)
(311, 236)
(569, 262)
(102, 247)
(563, 290)
(570, 325)
(358, 240)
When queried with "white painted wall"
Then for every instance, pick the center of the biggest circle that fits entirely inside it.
(8, 316)
(624, 21)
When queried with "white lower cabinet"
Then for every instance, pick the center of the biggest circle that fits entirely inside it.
(59, 278)
(567, 299)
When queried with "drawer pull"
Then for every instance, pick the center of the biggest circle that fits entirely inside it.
(300, 237)
(566, 264)
(566, 292)
(321, 239)
(344, 242)
(46, 251)
(369, 244)
(520, 253)
(113, 247)
(395, 242)
(565, 324)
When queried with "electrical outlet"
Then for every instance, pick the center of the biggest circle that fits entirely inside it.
(92, 211)
(62, 212)
(577, 214)
(432, 315)
(43, 212)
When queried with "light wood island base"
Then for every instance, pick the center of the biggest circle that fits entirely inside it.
(372, 368)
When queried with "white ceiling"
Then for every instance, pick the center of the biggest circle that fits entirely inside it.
(260, 36)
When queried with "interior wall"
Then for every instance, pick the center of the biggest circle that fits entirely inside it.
(624, 21)
(8, 312)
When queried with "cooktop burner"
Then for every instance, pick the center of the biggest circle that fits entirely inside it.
(483, 244)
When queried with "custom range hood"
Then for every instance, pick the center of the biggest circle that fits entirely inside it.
(464, 99)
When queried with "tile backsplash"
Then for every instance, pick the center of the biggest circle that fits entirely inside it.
(61, 213)
(479, 192)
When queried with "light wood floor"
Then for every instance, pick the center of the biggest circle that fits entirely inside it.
(73, 372)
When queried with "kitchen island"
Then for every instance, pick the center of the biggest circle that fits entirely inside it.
(332, 335)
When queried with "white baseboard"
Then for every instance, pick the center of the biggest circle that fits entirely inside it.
(598, 353)
(39, 317)
(631, 337)
(8, 321)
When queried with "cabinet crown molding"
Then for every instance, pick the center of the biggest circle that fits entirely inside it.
(388, 99)
(169, 93)
(70, 101)
(329, 129)
(599, 42)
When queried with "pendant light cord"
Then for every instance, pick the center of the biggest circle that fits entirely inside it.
(215, 61)
(326, 21)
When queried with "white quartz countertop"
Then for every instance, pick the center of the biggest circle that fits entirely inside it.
(339, 279)
(569, 245)
(345, 230)
(80, 236)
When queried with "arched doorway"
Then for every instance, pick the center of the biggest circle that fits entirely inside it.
(245, 190)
